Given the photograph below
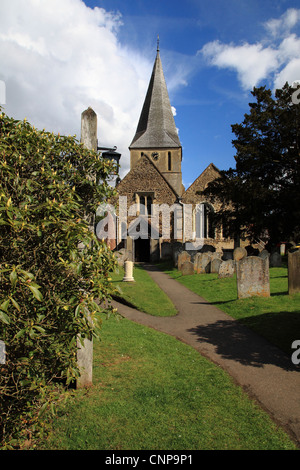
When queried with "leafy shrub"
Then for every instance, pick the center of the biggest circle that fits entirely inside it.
(53, 270)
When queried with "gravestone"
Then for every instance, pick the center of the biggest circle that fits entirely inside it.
(187, 268)
(264, 254)
(128, 267)
(182, 257)
(202, 263)
(275, 260)
(252, 276)
(294, 271)
(227, 268)
(239, 253)
(215, 265)
(166, 250)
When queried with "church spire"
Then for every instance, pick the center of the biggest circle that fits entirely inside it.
(156, 127)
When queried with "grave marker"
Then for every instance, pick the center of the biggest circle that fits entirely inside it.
(187, 268)
(252, 275)
(227, 268)
(294, 271)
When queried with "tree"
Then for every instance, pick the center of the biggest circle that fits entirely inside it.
(261, 196)
(53, 269)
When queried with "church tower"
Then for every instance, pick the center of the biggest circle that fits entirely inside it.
(156, 134)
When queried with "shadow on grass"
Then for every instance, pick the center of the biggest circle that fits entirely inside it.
(233, 341)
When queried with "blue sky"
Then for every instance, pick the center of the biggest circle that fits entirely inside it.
(60, 56)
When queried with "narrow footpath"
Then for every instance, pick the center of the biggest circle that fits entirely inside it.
(262, 370)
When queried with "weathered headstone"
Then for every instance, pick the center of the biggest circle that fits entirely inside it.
(202, 263)
(294, 271)
(239, 253)
(264, 254)
(166, 250)
(227, 268)
(275, 260)
(215, 265)
(252, 275)
(182, 257)
(128, 267)
(187, 268)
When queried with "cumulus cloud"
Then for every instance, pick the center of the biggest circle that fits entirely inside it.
(251, 61)
(268, 59)
(58, 57)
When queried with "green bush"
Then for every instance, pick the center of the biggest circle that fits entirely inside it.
(53, 270)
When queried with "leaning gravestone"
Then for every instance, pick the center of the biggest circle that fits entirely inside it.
(264, 254)
(202, 263)
(182, 258)
(227, 268)
(239, 253)
(275, 260)
(215, 265)
(294, 272)
(252, 276)
(187, 268)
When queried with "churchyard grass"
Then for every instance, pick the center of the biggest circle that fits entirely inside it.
(143, 294)
(277, 317)
(153, 392)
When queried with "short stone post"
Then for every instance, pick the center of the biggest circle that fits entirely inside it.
(294, 271)
(89, 129)
(85, 362)
(128, 266)
(85, 350)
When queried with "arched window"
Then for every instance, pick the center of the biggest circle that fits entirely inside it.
(149, 203)
(142, 205)
(203, 221)
(169, 161)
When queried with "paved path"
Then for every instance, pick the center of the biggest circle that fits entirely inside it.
(263, 371)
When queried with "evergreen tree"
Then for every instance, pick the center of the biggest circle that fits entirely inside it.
(261, 196)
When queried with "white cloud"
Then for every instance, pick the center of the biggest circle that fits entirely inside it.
(256, 62)
(283, 25)
(251, 61)
(58, 57)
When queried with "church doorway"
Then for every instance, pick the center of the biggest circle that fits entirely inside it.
(142, 250)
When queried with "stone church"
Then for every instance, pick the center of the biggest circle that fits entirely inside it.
(155, 181)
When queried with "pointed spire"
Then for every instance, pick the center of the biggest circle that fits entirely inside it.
(156, 127)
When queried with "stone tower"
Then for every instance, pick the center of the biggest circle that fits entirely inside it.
(156, 134)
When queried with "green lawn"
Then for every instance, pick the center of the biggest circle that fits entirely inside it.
(153, 392)
(143, 293)
(277, 317)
